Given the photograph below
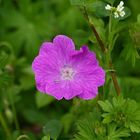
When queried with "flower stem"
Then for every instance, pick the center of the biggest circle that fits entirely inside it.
(4, 125)
(105, 50)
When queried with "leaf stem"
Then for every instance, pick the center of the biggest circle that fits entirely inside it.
(104, 50)
(5, 127)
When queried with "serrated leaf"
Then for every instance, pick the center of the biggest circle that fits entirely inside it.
(85, 131)
(107, 118)
(135, 127)
(115, 133)
(106, 106)
(118, 102)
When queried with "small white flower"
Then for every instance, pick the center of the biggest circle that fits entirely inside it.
(116, 15)
(121, 3)
(117, 11)
(108, 7)
(120, 7)
(122, 14)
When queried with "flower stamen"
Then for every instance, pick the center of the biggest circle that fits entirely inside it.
(67, 73)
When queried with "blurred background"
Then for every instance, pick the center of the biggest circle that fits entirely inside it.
(24, 25)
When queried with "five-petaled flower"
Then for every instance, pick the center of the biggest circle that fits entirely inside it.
(118, 11)
(63, 72)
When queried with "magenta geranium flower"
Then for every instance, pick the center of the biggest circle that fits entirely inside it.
(63, 72)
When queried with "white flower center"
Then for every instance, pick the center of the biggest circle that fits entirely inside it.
(67, 73)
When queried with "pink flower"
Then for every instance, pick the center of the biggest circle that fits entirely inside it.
(63, 72)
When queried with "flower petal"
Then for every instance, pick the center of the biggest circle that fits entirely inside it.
(47, 47)
(89, 92)
(64, 43)
(45, 68)
(84, 57)
(63, 89)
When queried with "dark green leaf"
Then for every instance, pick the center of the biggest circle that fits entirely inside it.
(53, 129)
(98, 8)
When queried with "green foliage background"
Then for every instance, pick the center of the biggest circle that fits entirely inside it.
(24, 25)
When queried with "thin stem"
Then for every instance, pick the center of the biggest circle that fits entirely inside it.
(104, 49)
(14, 111)
(23, 137)
(4, 125)
(110, 39)
(115, 82)
(110, 23)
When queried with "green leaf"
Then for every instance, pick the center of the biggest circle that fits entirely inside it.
(138, 18)
(110, 1)
(78, 2)
(67, 121)
(43, 99)
(130, 52)
(118, 102)
(91, 128)
(85, 131)
(106, 106)
(19, 27)
(3, 59)
(115, 133)
(34, 115)
(53, 129)
(46, 138)
(135, 127)
(98, 8)
(5, 52)
(119, 111)
(107, 118)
